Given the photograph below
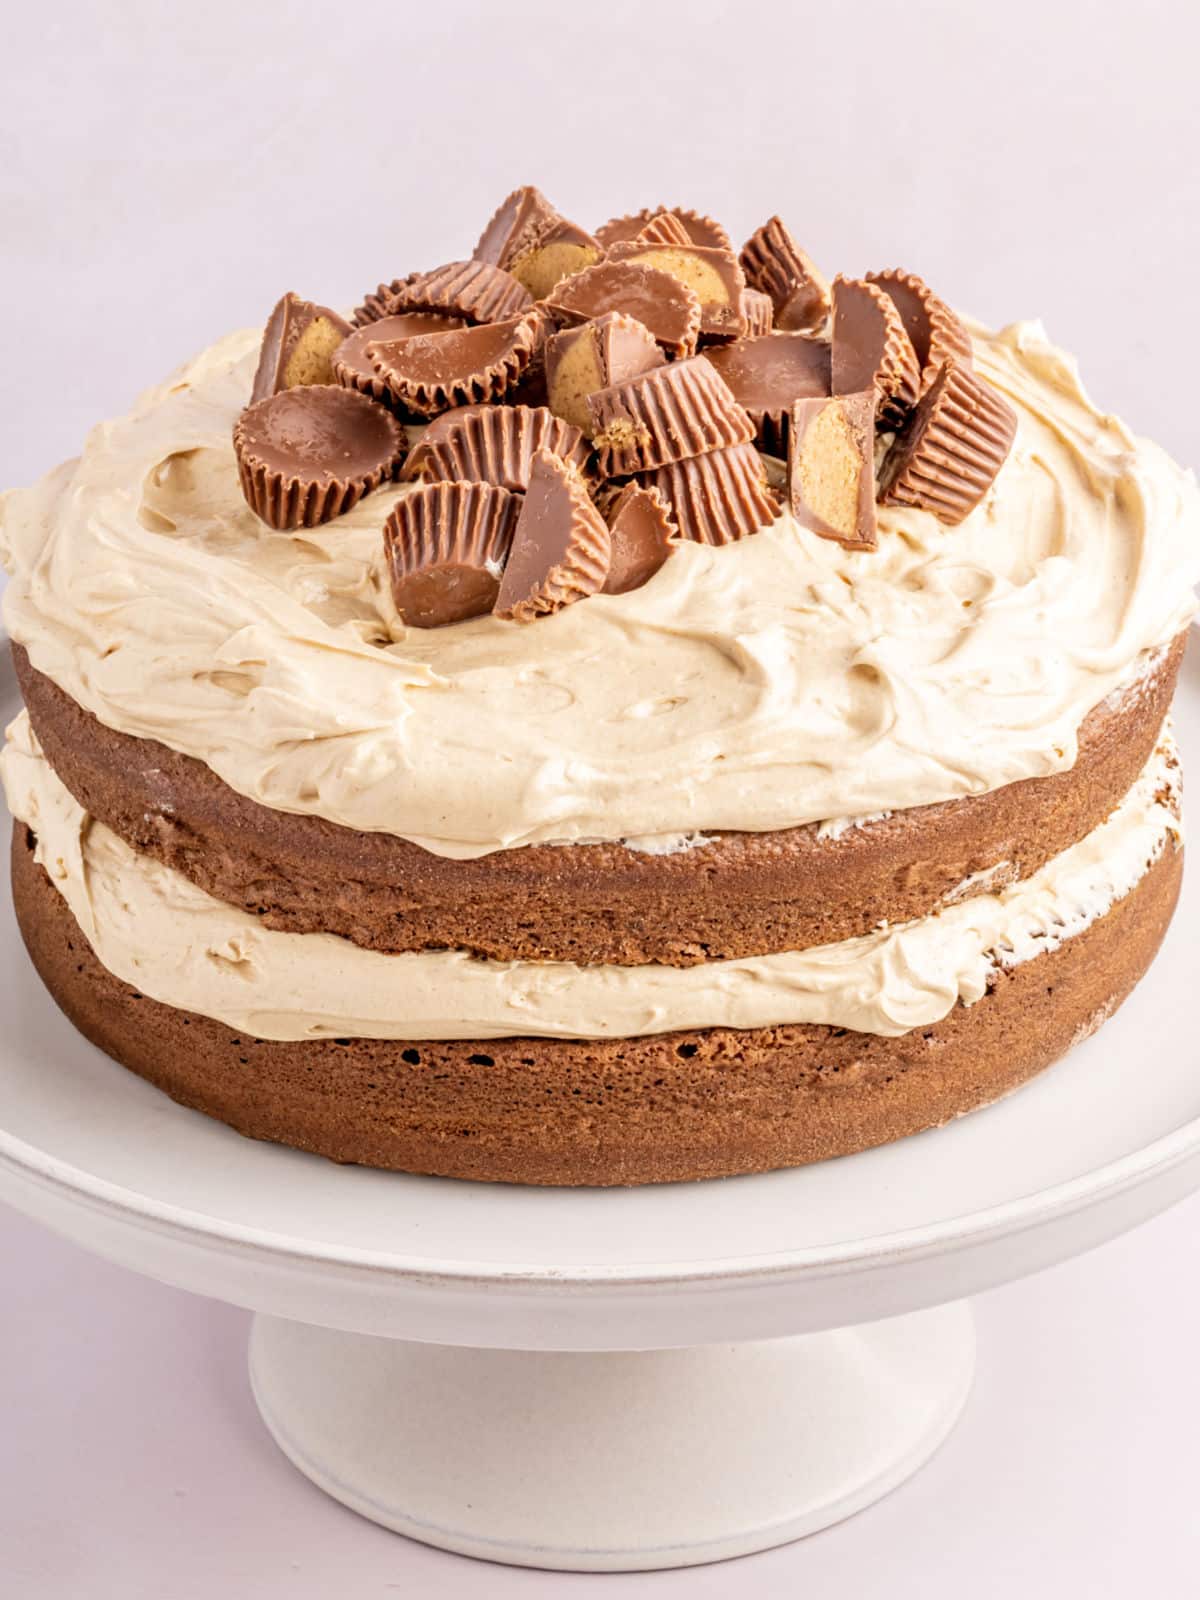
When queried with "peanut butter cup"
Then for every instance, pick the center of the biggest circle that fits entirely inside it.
(713, 275)
(639, 522)
(353, 370)
(593, 356)
(377, 304)
(446, 545)
(469, 366)
(955, 443)
(658, 300)
(494, 444)
(477, 291)
(766, 375)
(535, 243)
(831, 467)
(936, 333)
(716, 498)
(872, 350)
(682, 409)
(700, 229)
(561, 544)
(298, 345)
(775, 264)
(308, 454)
(665, 228)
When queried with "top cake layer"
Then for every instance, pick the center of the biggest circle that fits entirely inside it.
(779, 680)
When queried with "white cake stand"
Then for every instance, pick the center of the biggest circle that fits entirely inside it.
(602, 1380)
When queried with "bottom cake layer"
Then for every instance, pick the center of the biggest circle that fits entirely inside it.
(658, 1108)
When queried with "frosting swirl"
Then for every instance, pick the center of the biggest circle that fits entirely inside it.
(773, 682)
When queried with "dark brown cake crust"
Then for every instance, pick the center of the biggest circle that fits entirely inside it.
(647, 1110)
(742, 894)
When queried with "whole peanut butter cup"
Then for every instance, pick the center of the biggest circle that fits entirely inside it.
(716, 498)
(955, 443)
(682, 409)
(766, 375)
(494, 444)
(476, 291)
(353, 370)
(446, 545)
(297, 348)
(872, 350)
(561, 545)
(306, 455)
(936, 333)
(641, 528)
(469, 366)
(659, 301)
(775, 265)
(595, 355)
(831, 467)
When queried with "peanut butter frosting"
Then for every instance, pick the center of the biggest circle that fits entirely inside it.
(779, 680)
(155, 929)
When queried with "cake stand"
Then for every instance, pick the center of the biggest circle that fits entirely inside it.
(621, 1379)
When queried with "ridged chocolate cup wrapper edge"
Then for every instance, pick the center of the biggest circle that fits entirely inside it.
(350, 365)
(303, 493)
(948, 456)
(375, 304)
(775, 265)
(716, 498)
(561, 544)
(495, 444)
(446, 545)
(870, 346)
(700, 229)
(759, 313)
(682, 409)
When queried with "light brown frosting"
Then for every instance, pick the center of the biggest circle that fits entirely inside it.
(776, 681)
(155, 929)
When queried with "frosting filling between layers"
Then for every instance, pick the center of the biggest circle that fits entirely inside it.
(764, 684)
(157, 931)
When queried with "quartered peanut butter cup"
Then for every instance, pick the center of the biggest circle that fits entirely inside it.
(593, 356)
(561, 544)
(831, 467)
(775, 265)
(872, 350)
(640, 525)
(936, 334)
(957, 440)
(297, 348)
(534, 242)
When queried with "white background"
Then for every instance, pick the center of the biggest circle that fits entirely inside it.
(165, 173)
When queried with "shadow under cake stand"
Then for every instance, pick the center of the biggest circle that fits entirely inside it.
(612, 1379)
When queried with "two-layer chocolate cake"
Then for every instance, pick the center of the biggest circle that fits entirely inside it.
(614, 709)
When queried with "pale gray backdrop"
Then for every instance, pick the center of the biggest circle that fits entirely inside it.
(165, 172)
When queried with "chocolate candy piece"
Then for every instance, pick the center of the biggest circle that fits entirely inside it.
(831, 467)
(493, 444)
(640, 524)
(377, 304)
(594, 356)
(561, 545)
(298, 341)
(470, 366)
(872, 350)
(760, 313)
(350, 365)
(765, 375)
(947, 457)
(682, 409)
(656, 299)
(774, 263)
(530, 239)
(699, 229)
(665, 228)
(446, 545)
(716, 498)
(473, 290)
(936, 333)
(714, 276)
(306, 455)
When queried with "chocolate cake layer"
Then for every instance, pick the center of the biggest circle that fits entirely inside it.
(737, 894)
(654, 1109)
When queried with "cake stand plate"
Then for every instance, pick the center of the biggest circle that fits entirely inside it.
(612, 1379)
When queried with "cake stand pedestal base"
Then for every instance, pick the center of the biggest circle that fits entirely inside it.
(616, 1461)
